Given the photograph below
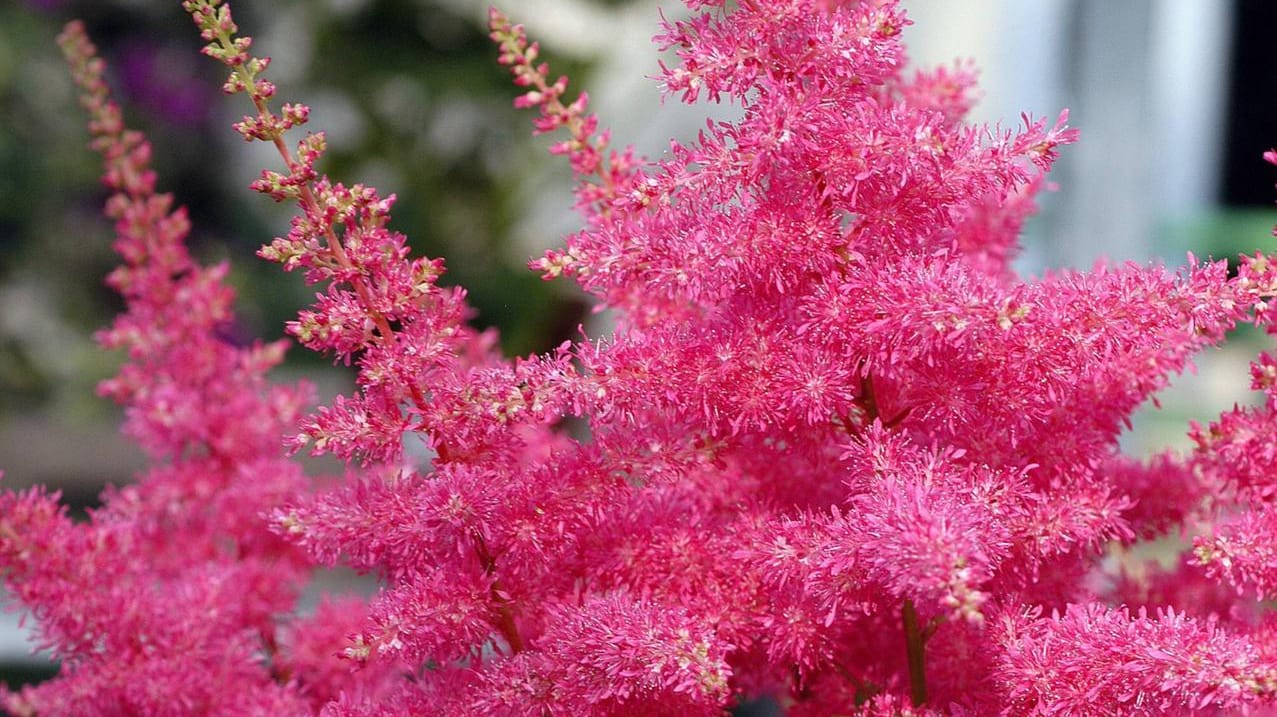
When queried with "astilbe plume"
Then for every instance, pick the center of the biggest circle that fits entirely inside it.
(839, 454)
(164, 601)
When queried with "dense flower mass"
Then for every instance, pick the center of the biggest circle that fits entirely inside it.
(834, 453)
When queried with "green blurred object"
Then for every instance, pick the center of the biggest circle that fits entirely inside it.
(1222, 234)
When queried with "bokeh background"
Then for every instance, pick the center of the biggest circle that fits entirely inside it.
(1176, 100)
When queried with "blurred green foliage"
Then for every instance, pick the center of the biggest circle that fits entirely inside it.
(414, 104)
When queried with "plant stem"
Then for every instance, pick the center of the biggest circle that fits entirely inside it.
(503, 619)
(915, 642)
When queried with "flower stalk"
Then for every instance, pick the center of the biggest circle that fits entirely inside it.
(915, 652)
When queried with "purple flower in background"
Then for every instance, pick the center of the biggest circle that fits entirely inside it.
(159, 77)
(45, 5)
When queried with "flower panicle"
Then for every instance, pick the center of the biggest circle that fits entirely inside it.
(1096, 660)
(174, 582)
(378, 302)
(607, 178)
(585, 145)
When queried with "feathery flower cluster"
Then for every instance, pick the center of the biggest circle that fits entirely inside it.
(165, 601)
(835, 452)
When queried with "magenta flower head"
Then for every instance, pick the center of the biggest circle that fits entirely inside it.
(834, 453)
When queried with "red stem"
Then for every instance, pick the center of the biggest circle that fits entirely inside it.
(504, 618)
(915, 644)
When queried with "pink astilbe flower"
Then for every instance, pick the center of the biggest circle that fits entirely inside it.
(312, 654)
(1092, 660)
(164, 601)
(928, 528)
(835, 452)
(1236, 455)
(1167, 495)
(614, 655)
(1183, 586)
(1242, 551)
